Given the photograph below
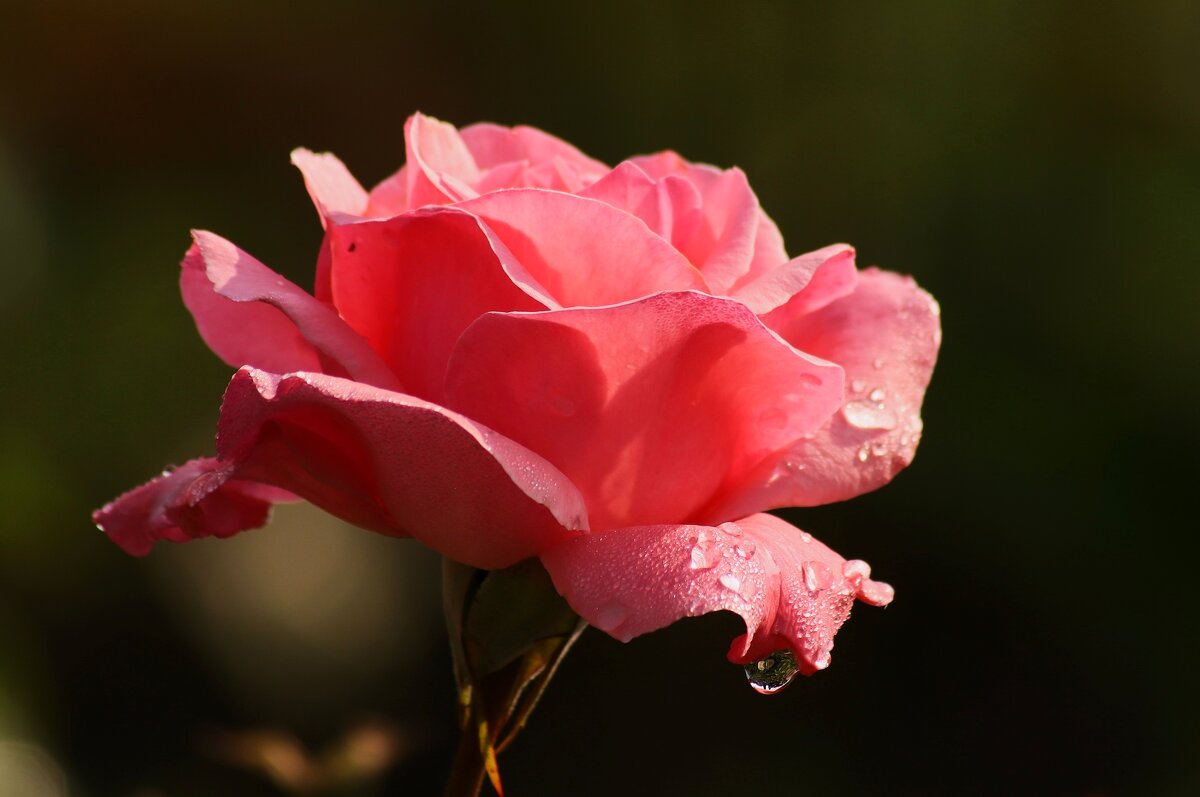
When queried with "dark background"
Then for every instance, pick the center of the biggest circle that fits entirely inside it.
(1035, 166)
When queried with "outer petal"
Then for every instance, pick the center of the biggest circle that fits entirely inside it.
(198, 499)
(656, 409)
(886, 335)
(791, 591)
(803, 284)
(440, 167)
(250, 315)
(333, 190)
(398, 465)
(411, 284)
(583, 251)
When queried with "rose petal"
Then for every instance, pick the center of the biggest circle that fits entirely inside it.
(656, 408)
(886, 335)
(800, 285)
(411, 284)
(399, 465)
(720, 238)
(390, 197)
(440, 167)
(629, 188)
(583, 251)
(197, 499)
(769, 251)
(492, 145)
(333, 190)
(250, 315)
(791, 590)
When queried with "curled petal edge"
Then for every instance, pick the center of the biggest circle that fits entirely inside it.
(791, 590)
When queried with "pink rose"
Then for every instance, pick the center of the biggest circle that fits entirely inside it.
(515, 351)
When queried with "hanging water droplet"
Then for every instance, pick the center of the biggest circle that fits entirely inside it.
(770, 675)
(865, 415)
(609, 616)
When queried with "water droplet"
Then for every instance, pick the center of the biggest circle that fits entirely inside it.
(609, 616)
(817, 576)
(877, 395)
(770, 675)
(856, 568)
(732, 529)
(731, 582)
(864, 453)
(879, 448)
(864, 415)
(805, 537)
(811, 379)
(702, 558)
(878, 363)
(858, 385)
(745, 549)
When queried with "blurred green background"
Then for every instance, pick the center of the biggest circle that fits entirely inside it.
(1036, 166)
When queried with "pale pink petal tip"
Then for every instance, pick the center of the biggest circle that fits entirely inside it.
(792, 591)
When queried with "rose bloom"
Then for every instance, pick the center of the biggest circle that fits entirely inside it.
(512, 350)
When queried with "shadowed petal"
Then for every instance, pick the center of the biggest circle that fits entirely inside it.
(655, 408)
(399, 465)
(250, 315)
(792, 591)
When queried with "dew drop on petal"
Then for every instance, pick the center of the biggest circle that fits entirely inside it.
(805, 537)
(856, 568)
(858, 386)
(878, 363)
(877, 394)
(770, 675)
(731, 582)
(702, 558)
(811, 379)
(865, 415)
(609, 616)
(732, 529)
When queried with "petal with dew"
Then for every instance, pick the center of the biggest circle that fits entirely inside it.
(198, 499)
(790, 590)
(656, 409)
(886, 335)
(399, 465)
